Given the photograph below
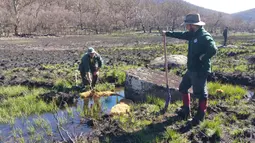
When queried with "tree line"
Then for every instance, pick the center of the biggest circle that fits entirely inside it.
(106, 16)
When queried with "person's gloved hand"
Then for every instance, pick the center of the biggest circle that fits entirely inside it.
(96, 73)
(163, 33)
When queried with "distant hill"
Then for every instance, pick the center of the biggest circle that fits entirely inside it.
(246, 15)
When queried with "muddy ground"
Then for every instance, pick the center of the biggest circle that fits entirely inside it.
(138, 50)
(39, 61)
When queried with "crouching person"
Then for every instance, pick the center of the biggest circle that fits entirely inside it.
(89, 67)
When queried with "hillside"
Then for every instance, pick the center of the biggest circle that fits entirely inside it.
(246, 15)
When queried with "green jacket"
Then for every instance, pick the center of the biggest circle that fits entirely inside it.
(200, 42)
(90, 65)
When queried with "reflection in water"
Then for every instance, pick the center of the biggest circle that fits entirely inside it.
(95, 107)
(44, 127)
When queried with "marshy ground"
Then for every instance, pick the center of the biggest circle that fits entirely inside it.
(39, 98)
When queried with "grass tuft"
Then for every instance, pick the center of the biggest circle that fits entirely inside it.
(11, 108)
(150, 99)
(174, 137)
(230, 92)
(62, 84)
(211, 128)
(13, 91)
(104, 87)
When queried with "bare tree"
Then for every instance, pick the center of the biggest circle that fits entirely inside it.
(59, 16)
(114, 9)
(15, 8)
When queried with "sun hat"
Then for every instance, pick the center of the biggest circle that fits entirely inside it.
(193, 19)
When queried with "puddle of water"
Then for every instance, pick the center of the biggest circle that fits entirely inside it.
(250, 94)
(44, 126)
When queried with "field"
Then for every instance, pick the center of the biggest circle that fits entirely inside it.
(39, 87)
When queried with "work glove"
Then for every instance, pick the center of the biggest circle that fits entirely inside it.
(96, 72)
(163, 33)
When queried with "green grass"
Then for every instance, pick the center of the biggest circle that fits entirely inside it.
(236, 133)
(155, 100)
(104, 87)
(23, 106)
(116, 73)
(131, 123)
(174, 137)
(212, 127)
(62, 84)
(13, 91)
(222, 62)
(38, 79)
(230, 92)
(150, 108)
(91, 112)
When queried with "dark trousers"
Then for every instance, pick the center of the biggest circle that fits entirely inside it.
(198, 81)
(86, 82)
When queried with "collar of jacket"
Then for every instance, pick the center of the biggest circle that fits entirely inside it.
(201, 29)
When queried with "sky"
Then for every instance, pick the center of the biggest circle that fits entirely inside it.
(227, 6)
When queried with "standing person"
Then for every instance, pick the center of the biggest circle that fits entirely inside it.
(201, 48)
(91, 63)
(225, 35)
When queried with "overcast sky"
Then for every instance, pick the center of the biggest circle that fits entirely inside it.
(227, 6)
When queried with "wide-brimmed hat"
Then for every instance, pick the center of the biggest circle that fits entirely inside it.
(193, 19)
(91, 50)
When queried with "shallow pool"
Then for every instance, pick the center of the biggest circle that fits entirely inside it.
(43, 128)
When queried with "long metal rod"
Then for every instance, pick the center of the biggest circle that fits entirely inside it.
(166, 70)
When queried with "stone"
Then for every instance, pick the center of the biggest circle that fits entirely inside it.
(173, 61)
(143, 82)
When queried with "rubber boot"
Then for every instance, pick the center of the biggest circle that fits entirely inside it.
(200, 116)
(184, 111)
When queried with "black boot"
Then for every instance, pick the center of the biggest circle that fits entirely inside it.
(184, 112)
(199, 117)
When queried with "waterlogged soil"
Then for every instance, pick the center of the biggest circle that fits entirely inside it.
(39, 61)
(75, 120)
(32, 53)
